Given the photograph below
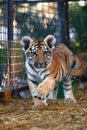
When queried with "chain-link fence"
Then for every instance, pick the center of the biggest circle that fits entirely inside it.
(25, 17)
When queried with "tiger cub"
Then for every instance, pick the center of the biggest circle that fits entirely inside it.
(46, 65)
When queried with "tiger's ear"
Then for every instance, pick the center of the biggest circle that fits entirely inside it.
(51, 41)
(26, 42)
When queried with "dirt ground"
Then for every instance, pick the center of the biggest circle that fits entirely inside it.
(58, 115)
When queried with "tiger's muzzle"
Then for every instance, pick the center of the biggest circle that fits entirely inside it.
(40, 65)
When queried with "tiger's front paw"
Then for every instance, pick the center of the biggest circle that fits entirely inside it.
(39, 104)
(40, 91)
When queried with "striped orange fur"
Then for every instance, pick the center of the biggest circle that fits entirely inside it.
(46, 65)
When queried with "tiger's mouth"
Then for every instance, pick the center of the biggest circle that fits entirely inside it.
(40, 65)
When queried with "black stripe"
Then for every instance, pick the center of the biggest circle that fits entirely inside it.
(44, 71)
(50, 74)
(36, 44)
(32, 67)
(67, 89)
(73, 64)
(31, 74)
(67, 78)
(62, 72)
(37, 97)
(47, 75)
(67, 84)
(35, 82)
(56, 75)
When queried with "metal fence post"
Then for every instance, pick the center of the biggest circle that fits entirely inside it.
(59, 29)
(66, 23)
(62, 33)
(0, 68)
(7, 93)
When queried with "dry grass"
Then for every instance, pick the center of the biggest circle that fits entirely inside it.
(18, 115)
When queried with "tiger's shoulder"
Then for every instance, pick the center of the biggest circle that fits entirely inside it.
(61, 60)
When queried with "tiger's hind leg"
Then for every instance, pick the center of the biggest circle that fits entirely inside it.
(68, 93)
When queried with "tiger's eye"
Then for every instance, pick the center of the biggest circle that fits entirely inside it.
(34, 53)
(45, 52)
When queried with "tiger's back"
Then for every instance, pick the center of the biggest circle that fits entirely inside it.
(61, 61)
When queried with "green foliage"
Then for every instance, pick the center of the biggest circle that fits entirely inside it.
(78, 20)
(3, 56)
(60, 89)
(3, 62)
(31, 24)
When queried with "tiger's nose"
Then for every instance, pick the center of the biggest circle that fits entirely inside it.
(40, 63)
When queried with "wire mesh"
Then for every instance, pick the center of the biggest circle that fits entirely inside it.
(34, 18)
(3, 42)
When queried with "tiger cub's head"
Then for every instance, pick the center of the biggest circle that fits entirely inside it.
(38, 53)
